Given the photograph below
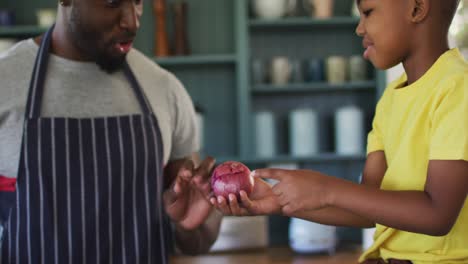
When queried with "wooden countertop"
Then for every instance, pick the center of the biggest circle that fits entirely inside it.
(272, 255)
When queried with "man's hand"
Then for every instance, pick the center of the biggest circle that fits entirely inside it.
(186, 200)
(262, 201)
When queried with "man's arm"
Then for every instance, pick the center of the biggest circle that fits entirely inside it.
(199, 240)
(197, 224)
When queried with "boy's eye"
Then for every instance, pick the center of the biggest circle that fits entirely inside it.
(367, 12)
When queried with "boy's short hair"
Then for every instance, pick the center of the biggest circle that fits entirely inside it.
(447, 7)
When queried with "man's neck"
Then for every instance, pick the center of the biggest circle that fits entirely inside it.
(62, 45)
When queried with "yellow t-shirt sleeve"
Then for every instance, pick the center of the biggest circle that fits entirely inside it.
(449, 123)
(375, 136)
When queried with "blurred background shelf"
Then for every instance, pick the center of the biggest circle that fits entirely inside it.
(20, 31)
(293, 22)
(318, 158)
(197, 60)
(319, 87)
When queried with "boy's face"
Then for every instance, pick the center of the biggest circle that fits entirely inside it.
(385, 29)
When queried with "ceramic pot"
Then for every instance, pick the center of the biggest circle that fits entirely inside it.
(280, 70)
(357, 68)
(265, 134)
(321, 9)
(337, 69)
(270, 9)
(303, 132)
(349, 130)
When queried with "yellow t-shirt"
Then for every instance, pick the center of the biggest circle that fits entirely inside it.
(427, 120)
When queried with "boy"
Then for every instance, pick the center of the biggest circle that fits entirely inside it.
(415, 180)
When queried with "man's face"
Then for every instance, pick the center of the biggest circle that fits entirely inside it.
(385, 29)
(103, 30)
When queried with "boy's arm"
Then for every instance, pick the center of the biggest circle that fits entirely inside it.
(432, 211)
(372, 176)
(262, 201)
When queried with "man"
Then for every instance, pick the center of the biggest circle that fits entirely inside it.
(87, 125)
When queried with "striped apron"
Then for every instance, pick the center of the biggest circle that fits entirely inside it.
(88, 190)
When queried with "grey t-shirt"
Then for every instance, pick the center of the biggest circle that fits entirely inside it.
(81, 89)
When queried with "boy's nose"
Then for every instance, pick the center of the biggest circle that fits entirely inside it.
(360, 30)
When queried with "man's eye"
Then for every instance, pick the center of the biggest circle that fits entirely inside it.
(113, 2)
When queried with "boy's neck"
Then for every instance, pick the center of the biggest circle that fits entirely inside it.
(422, 59)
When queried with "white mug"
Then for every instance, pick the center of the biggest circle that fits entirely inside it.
(270, 9)
(280, 70)
(337, 69)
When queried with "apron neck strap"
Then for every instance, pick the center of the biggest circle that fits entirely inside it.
(36, 85)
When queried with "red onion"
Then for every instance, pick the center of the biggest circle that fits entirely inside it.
(231, 177)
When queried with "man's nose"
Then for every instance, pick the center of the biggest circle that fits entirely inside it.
(130, 18)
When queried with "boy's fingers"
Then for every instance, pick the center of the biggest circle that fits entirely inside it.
(234, 205)
(246, 202)
(277, 190)
(223, 206)
(213, 201)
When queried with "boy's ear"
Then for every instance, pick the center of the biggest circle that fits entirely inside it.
(420, 10)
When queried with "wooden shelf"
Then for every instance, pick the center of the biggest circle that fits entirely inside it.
(197, 60)
(323, 157)
(318, 87)
(304, 21)
(21, 31)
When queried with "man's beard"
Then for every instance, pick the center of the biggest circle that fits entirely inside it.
(87, 42)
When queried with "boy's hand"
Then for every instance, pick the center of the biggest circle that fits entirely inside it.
(262, 201)
(298, 190)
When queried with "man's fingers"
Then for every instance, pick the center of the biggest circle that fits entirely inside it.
(169, 196)
(180, 185)
(203, 171)
(276, 174)
(186, 169)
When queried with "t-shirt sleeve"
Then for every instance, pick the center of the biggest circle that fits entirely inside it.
(449, 122)
(184, 135)
(375, 136)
